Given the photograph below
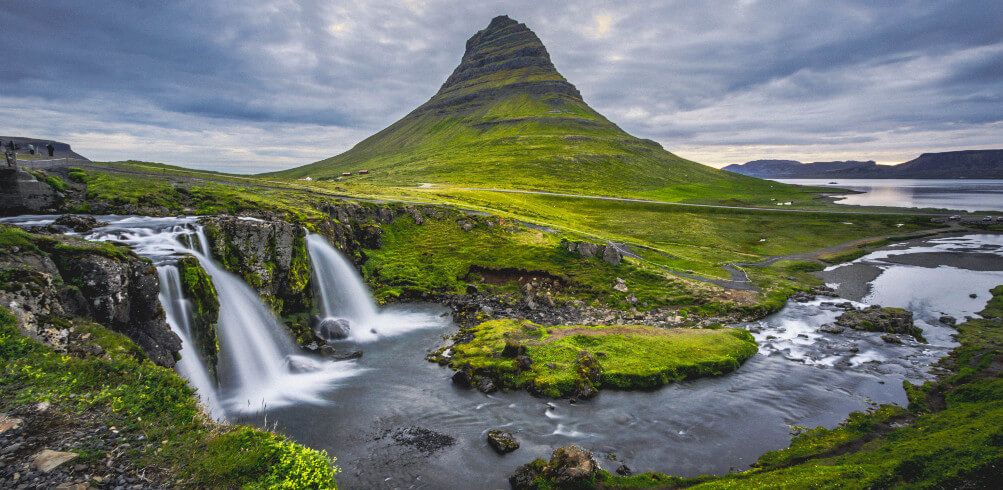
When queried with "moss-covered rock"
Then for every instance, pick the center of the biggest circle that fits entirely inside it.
(271, 256)
(576, 361)
(199, 290)
(881, 319)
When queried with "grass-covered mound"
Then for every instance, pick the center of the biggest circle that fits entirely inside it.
(123, 390)
(577, 360)
(951, 436)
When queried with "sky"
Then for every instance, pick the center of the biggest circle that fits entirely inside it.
(254, 86)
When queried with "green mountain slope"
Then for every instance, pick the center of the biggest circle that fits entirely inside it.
(506, 118)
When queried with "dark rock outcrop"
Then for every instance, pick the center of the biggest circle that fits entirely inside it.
(80, 223)
(57, 278)
(272, 258)
(20, 192)
(881, 319)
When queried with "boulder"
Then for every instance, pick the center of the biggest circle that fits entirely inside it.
(333, 329)
(502, 441)
(948, 320)
(831, 328)
(571, 467)
(612, 255)
(462, 379)
(485, 385)
(881, 319)
(80, 223)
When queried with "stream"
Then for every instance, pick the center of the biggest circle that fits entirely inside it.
(395, 420)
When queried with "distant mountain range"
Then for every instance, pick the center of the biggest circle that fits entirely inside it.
(967, 164)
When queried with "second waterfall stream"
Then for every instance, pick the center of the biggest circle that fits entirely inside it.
(260, 367)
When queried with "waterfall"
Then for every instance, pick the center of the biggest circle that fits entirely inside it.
(260, 367)
(343, 295)
(342, 292)
(179, 317)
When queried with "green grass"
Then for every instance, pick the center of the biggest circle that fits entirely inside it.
(129, 392)
(440, 257)
(628, 357)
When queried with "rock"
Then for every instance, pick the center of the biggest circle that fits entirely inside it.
(485, 385)
(831, 328)
(47, 460)
(802, 297)
(462, 379)
(891, 338)
(948, 320)
(973, 296)
(623, 470)
(333, 329)
(9, 423)
(344, 356)
(612, 255)
(79, 223)
(881, 319)
(571, 466)
(620, 285)
(513, 349)
(525, 476)
(502, 441)
(466, 225)
(21, 192)
(523, 362)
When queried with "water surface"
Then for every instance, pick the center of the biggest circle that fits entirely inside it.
(963, 195)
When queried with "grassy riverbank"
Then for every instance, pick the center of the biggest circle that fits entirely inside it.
(108, 384)
(564, 360)
(950, 435)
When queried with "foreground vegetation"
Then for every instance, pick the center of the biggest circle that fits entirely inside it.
(124, 391)
(565, 360)
(950, 436)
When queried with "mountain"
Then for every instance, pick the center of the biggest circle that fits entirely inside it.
(793, 169)
(505, 117)
(967, 164)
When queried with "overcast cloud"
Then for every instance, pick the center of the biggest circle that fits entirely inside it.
(252, 86)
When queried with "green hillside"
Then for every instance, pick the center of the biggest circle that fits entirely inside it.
(506, 118)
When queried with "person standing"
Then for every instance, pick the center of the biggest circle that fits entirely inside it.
(51, 148)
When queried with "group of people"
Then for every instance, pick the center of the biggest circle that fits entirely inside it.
(11, 148)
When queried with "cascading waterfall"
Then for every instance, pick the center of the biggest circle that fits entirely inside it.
(343, 295)
(179, 317)
(342, 292)
(259, 366)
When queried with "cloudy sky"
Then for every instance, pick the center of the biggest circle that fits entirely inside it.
(260, 85)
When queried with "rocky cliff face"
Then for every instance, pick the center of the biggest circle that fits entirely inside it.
(20, 192)
(271, 256)
(46, 280)
(199, 290)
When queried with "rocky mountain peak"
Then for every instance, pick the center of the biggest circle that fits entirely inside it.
(505, 55)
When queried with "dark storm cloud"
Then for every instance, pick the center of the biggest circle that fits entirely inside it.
(246, 86)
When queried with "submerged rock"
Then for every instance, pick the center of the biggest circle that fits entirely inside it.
(831, 328)
(502, 441)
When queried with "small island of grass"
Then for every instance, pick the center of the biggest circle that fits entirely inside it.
(577, 360)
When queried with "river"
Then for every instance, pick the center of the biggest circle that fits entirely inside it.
(962, 195)
(394, 420)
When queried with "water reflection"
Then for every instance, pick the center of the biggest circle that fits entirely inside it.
(965, 195)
